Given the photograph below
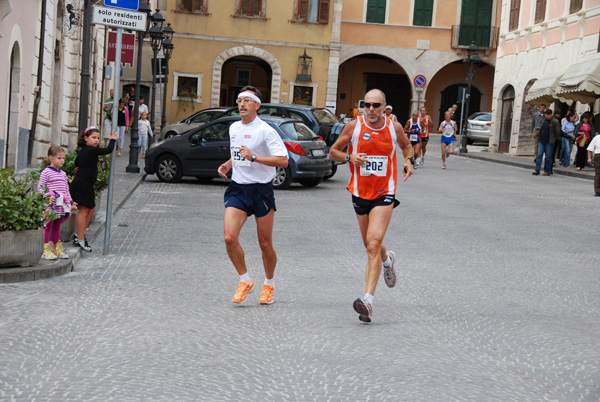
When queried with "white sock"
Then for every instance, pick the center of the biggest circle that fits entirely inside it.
(369, 298)
(387, 263)
(270, 282)
(245, 278)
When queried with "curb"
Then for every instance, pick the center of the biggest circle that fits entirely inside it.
(560, 171)
(51, 269)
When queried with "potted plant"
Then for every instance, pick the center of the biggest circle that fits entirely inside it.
(23, 211)
(187, 98)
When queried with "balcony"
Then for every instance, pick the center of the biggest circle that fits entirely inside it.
(486, 37)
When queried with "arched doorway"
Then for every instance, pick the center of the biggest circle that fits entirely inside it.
(240, 71)
(453, 95)
(364, 72)
(506, 116)
(12, 133)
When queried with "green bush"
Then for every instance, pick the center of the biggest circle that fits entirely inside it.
(21, 206)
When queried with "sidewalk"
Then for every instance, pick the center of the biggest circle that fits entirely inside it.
(525, 162)
(123, 186)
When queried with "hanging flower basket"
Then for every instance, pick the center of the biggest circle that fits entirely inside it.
(187, 98)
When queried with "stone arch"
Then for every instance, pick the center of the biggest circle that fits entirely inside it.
(12, 157)
(245, 51)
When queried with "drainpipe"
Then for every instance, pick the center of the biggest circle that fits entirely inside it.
(38, 87)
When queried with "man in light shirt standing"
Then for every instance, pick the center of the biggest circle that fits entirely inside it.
(256, 152)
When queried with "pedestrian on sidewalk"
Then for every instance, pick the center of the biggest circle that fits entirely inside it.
(594, 157)
(122, 125)
(54, 185)
(549, 134)
(568, 137)
(372, 142)
(448, 131)
(536, 123)
(82, 186)
(108, 107)
(256, 152)
(144, 129)
(584, 131)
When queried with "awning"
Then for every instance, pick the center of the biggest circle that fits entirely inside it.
(581, 81)
(543, 90)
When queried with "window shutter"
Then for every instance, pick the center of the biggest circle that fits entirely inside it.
(376, 11)
(423, 13)
(324, 11)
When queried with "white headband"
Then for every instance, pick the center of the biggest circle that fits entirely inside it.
(248, 94)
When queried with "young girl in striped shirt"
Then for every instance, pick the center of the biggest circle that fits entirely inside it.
(54, 185)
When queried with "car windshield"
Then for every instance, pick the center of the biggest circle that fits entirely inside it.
(202, 117)
(482, 117)
(324, 116)
(297, 131)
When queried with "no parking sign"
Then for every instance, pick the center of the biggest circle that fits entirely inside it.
(420, 81)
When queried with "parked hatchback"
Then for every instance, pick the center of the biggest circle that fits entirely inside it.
(201, 151)
(479, 127)
(193, 121)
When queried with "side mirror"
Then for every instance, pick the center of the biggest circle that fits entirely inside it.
(195, 139)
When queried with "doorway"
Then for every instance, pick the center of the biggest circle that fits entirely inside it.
(506, 116)
(240, 71)
(12, 133)
(452, 95)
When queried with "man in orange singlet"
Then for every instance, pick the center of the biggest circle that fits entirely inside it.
(372, 142)
(427, 125)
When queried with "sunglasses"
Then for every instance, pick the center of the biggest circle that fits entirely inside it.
(375, 105)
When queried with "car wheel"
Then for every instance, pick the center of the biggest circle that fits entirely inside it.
(283, 178)
(311, 182)
(470, 141)
(333, 170)
(168, 169)
(170, 134)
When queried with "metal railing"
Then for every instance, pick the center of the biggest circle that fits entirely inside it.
(486, 37)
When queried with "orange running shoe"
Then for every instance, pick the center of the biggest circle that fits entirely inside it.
(266, 296)
(243, 290)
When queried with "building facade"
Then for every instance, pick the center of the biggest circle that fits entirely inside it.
(539, 40)
(40, 85)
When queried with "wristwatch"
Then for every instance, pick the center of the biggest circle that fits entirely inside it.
(253, 157)
(412, 160)
(347, 157)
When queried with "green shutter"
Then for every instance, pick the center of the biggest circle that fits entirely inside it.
(475, 22)
(423, 13)
(376, 11)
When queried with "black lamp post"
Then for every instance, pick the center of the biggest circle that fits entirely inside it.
(134, 146)
(471, 65)
(156, 37)
(167, 52)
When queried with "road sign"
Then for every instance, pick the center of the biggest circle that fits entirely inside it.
(114, 17)
(126, 4)
(420, 80)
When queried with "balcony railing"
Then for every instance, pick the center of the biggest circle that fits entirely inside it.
(484, 37)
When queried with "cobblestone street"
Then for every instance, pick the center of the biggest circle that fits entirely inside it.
(498, 299)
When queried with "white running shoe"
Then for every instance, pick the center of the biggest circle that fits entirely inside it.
(364, 308)
(443, 166)
(389, 275)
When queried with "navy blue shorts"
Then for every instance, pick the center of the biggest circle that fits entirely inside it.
(254, 199)
(363, 207)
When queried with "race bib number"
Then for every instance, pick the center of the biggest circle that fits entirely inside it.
(375, 165)
(413, 137)
(236, 158)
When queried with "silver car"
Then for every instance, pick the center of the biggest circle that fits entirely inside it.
(479, 127)
(195, 120)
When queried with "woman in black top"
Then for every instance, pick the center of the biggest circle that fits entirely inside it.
(82, 186)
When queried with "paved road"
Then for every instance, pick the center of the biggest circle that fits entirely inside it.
(497, 300)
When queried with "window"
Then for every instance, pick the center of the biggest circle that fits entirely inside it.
(423, 13)
(251, 8)
(303, 93)
(376, 11)
(192, 6)
(243, 77)
(540, 10)
(186, 86)
(575, 6)
(513, 22)
(313, 10)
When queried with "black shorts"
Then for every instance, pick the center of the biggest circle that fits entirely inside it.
(254, 199)
(424, 139)
(364, 207)
(413, 143)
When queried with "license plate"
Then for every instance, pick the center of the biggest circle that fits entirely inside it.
(318, 152)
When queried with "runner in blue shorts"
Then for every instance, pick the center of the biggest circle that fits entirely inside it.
(413, 132)
(448, 131)
(256, 150)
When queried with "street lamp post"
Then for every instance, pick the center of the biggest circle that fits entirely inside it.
(156, 37)
(471, 65)
(134, 146)
(167, 52)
